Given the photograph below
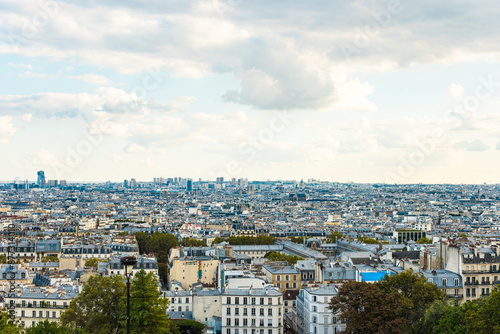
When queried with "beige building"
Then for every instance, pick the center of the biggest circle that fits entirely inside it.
(188, 269)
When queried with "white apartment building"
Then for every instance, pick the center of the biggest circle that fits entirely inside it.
(312, 314)
(250, 306)
(34, 304)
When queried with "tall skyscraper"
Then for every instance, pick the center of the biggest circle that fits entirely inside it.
(41, 178)
(189, 185)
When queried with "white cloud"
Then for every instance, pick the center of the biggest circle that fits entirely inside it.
(26, 117)
(456, 91)
(136, 148)
(21, 65)
(92, 78)
(7, 129)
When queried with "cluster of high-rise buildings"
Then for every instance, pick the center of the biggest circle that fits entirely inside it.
(448, 233)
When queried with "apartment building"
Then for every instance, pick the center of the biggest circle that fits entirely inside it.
(250, 306)
(312, 315)
(34, 304)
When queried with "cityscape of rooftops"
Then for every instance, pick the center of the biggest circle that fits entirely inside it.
(249, 167)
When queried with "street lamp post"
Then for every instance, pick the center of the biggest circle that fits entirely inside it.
(128, 263)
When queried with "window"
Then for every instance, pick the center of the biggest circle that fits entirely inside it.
(228, 311)
(228, 300)
(270, 311)
(237, 311)
(473, 292)
(269, 322)
(253, 301)
(287, 278)
(40, 314)
(23, 303)
(34, 314)
(315, 299)
(444, 282)
(22, 313)
(245, 300)
(253, 311)
(278, 285)
(253, 322)
(456, 292)
(315, 319)
(47, 314)
(294, 277)
(262, 301)
(237, 300)
(261, 311)
(456, 281)
(278, 277)
(269, 301)
(236, 322)
(315, 309)
(261, 323)
(245, 322)
(228, 331)
(187, 300)
(228, 321)
(245, 311)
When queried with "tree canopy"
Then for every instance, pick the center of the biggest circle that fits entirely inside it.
(393, 305)
(159, 244)
(148, 309)
(101, 306)
(98, 308)
(290, 259)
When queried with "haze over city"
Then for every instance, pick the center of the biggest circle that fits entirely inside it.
(362, 91)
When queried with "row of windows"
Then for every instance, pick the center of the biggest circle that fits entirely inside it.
(287, 277)
(40, 314)
(172, 309)
(252, 311)
(179, 300)
(251, 331)
(444, 281)
(472, 292)
(287, 285)
(34, 303)
(252, 300)
(13, 275)
(236, 322)
(485, 280)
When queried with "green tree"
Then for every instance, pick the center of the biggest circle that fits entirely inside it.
(290, 259)
(191, 242)
(418, 294)
(48, 327)
(217, 240)
(190, 326)
(366, 309)
(159, 244)
(148, 308)
(50, 258)
(98, 308)
(440, 317)
(7, 326)
(3, 258)
(92, 262)
(297, 240)
(371, 241)
(334, 236)
(424, 240)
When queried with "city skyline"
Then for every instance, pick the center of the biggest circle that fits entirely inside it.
(366, 92)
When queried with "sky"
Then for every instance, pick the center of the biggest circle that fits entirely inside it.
(345, 91)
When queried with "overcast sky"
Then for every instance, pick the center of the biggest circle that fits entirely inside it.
(362, 91)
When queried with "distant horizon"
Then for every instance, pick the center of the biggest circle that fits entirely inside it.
(250, 180)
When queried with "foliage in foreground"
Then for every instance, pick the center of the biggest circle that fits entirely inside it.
(393, 305)
(101, 306)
